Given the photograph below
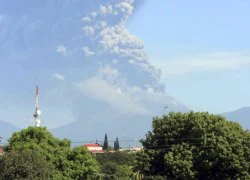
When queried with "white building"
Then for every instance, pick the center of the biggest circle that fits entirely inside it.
(94, 148)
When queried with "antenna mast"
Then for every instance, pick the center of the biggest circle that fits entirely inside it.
(37, 111)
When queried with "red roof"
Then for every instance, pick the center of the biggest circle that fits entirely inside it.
(92, 145)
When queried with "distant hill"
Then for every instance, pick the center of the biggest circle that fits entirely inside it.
(131, 127)
(6, 130)
(124, 126)
(241, 115)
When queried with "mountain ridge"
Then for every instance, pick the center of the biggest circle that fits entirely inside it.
(121, 125)
(241, 115)
(6, 130)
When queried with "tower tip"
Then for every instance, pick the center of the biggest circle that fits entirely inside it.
(37, 90)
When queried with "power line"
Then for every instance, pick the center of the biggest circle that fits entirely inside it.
(158, 139)
(166, 140)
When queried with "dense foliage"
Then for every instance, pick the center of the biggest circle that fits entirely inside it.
(180, 146)
(116, 165)
(68, 163)
(25, 164)
(195, 146)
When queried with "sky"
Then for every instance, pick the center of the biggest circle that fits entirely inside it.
(94, 58)
(202, 49)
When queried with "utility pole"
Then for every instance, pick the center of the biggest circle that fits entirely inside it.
(123, 138)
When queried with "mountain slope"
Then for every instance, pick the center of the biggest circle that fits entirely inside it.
(124, 126)
(241, 115)
(6, 130)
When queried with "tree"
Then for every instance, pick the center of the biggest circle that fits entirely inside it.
(68, 164)
(195, 146)
(25, 164)
(105, 144)
(116, 145)
(117, 164)
(114, 171)
(180, 157)
(82, 164)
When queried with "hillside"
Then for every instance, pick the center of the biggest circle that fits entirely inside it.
(241, 115)
(127, 126)
(6, 130)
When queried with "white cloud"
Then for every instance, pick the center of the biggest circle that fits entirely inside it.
(101, 24)
(129, 82)
(110, 74)
(118, 98)
(89, 30)
(86, 19)
(62, 50)
(210, 62)
(106, 9)
(126, 7)
(112, 38)
(58, 76)
(87, 51)
(119, 36)
(108, 86)
(108, 70)
(103, 9)
(93, 14)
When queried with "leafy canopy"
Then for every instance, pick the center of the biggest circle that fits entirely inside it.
(25, 164)
(68, 163)
(116, 164)
(195, 145)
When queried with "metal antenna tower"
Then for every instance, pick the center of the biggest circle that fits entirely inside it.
(37, 112)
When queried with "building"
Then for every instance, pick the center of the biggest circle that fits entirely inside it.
(131, 149)
(1, 150)
(94, 148)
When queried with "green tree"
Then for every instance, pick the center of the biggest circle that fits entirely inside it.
(116, 145)
(116, 165)
(195, 146)
(181, 158)
(68, 164)
(82, 164)
(105, 144)
(25, 164)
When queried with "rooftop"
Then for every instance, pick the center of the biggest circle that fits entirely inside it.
(92, 145)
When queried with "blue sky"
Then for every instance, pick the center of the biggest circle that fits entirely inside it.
(121, 57)
(202, 49)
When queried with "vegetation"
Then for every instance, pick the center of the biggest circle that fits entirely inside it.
(25, 164)
(195, 146)
(180, 146)
(105, 144)
(116, 145)
(67, 163)
(117, 164)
